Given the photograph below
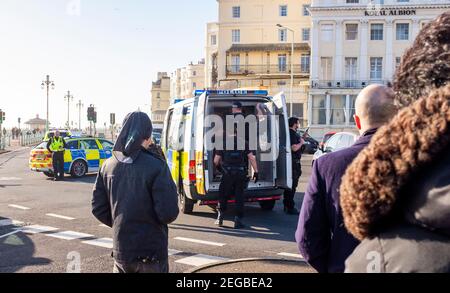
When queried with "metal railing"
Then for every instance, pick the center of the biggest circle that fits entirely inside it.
(281, 69)
(5, 141)
(345, 84)
(31, 139)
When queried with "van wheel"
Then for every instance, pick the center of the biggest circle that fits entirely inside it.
(79, 169)
(267, 205)
(186, 204)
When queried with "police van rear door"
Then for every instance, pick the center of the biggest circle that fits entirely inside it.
(282, 139)
(201, 172)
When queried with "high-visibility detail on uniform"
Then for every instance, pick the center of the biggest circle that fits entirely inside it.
(57, 144)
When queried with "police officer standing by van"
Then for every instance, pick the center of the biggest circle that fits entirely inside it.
(57, 146)
(296, 144)
(234, 166)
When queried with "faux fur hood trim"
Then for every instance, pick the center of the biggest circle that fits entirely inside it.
(414, 138)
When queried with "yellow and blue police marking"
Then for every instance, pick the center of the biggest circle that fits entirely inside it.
(94, 158)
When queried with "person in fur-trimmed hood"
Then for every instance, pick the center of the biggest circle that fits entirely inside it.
(395, 196)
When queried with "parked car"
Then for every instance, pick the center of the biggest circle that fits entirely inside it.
(82, 156)
(337, 142)
(326, 137)
(311, 145)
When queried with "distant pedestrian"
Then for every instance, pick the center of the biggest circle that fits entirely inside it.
(136, 196)
(395, 197)
(321, 235)
(297, 143)
(57, 147)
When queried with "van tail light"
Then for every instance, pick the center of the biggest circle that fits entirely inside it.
(192, 173)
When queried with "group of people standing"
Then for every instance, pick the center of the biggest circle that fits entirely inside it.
(383, 205)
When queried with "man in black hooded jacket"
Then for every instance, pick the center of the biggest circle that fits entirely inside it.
(136, 196)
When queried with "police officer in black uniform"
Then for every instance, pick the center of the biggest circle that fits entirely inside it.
(296, 145)
(234, 166)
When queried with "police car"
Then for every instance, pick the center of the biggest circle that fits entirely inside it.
(82, 156)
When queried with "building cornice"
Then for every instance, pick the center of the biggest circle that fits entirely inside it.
(385, 7)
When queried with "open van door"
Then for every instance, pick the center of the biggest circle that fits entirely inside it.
(283, 141)
(201, 175)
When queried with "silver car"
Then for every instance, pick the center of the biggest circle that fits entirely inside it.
(337, 142)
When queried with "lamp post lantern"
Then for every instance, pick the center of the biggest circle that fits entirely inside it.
(47, 83)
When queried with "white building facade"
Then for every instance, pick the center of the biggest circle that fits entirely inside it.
(356, 43)
(184, 81)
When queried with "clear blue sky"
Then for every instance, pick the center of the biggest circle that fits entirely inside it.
(107, 52)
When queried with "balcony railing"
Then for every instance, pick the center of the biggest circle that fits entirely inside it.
(345, 84)
(282, 69)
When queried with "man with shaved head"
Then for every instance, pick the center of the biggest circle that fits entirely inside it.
(321, 235)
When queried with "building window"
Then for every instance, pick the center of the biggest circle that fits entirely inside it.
(376, 68)
(351, 31)
(306, 32)
(376, 32)
(235, 63)
(326, 32)
(402, 1)
(337, 109)
(282, 63)
(194, 73)
(326, 68)
(306, 10)
(398, 61)
(319, 111)
(283, 10)
(282, 35)
(351, 71)
(305, 63)
(352, 1)
(194, 85)
(236, 11)
(297, 110)
(213, 40)
(402, 31)
(236, 36)
(352, 108)
(281, 83)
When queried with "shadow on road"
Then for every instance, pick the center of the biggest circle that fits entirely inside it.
(88, 179)
(16, 252)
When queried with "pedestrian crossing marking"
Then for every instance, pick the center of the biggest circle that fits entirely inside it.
(10, 179)
(35, 229)
(174, 252)
(70, 235)
(199, 241)
(294, 255)
(18, 207)
(200, 260)
(100, 242)
(60, 217)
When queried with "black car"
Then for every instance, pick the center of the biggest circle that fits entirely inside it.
(311, 145)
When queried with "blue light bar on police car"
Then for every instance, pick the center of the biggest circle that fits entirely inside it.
(232, 92)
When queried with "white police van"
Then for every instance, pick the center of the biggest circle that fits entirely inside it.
(188, 127)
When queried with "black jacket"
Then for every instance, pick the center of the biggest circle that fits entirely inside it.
(137, 200)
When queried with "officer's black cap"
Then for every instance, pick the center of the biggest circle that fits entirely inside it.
(237, 105)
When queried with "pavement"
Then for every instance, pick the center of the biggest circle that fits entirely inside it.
(47, 226)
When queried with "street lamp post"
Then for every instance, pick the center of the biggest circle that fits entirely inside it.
(47, 83)
(292, 69)
(68, 97)
(79, 106)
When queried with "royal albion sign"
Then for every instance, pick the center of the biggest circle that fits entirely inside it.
(393, 12)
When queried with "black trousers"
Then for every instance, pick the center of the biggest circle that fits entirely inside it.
(289, 194)
(58, 164)
(233, 183)
(140, 267)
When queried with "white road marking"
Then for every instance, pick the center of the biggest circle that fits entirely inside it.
(18, 207)
(60, 217)
(9, 222)
(199, 241)
(104, 226)
(34, 229)
(10, 179)
(200, 260)
(70, 235)
(101, 242)
(259, 228)
(10, 233)
(174, 252)
(294, 255)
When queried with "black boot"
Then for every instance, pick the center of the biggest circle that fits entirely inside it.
(291, 211)
(238, 223)
(219, 221)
